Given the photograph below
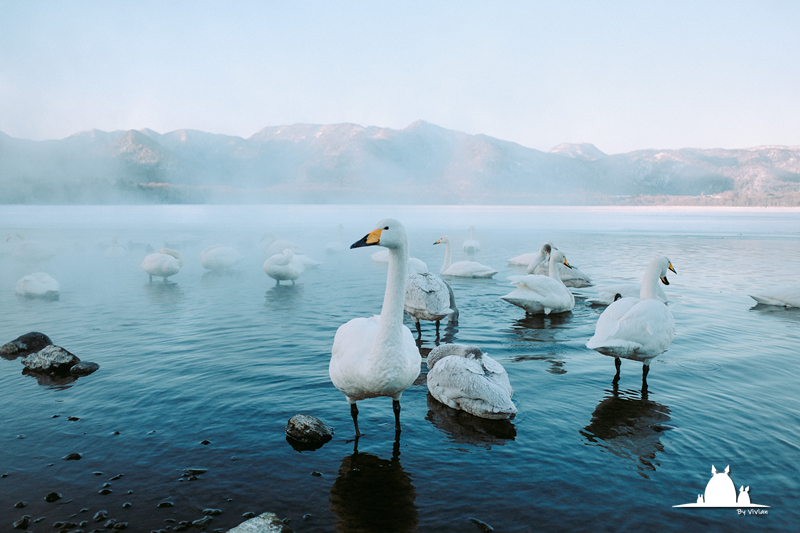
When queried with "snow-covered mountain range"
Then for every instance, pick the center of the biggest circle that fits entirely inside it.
(340, 163)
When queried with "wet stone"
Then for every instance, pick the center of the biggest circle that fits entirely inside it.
(23, 522)
(84, 368)
(20, 505)
(119, 526)
(25, 344)
(53, 497)
(483, 526)
(118, 476)
(105, 491)
(161, 505)
(75, 456)
(308, 430)
(126, 505)
(73, 418)
(212, 512)
(50, 359)
(205, 442)
(202, 523)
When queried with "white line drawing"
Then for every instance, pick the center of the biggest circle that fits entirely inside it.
(721, 492)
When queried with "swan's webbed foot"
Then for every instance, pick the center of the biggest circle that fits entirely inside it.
(354, 414)
(277, 282)
(396, 409)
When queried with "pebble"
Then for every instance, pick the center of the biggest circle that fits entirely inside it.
(212, 512)
(73, 418)
(308, 430)
(116, 477)
(84, 368)
(53, 496)
(105, 491)
(75, 456)
(202, 522)
(165, 504)
(20, 505)
(483, 526)
(23, 522)
(248, 514)
(205, 442)
(126, 505)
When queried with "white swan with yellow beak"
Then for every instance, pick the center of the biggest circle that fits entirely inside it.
(377, 356)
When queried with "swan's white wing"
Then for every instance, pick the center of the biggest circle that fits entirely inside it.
(427, 297)
(786, 296)
(523, 259)
(159, 264)
(351, 348)
(37, 284)
(460, 383)
(469, 269)
(572, 277)
(633, 328)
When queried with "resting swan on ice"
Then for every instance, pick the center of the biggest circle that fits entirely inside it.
(542, 294)
(462, 269)
(462, 377)
(164, 263)
(285, 266)
(377, 356)
(637, 328)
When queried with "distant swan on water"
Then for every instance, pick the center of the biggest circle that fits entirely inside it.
(285, 266)
(164, 263)
(427, 296)
(377, 356)
(637, 328)
(471, 246)
(462, 377)
(37, 285)
(462, 269)
(784, 297)
(572, 276)
(542, 294)
(219, 258)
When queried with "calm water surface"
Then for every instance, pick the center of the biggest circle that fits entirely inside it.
(229, 358)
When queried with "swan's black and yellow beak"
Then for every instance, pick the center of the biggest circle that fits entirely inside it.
(438, 242)
(664, 280)
(566, 264)
(372, 238)
(672, 268)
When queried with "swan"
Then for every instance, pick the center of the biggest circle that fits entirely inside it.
(416, 266)
(471, 246)
(462, 377)
(610, 293)
(37, 285)
(219, 258)
(785, 296)
(334, 247)
(637, 328)
(572, 277)
(164, 263)
(526, 259)
(542, 294)
(463, 269)
(377, 356)
(114, 249)
(271, 246)
(427, 298)
(381, 256)
(285, 266)
(30, 251)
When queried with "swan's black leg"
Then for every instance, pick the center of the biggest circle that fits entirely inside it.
(278, 282)
(618, 364)
(645, 371)
(354, 414)
(396, 409)
(419, 328)
(437, 327)
(151, 279)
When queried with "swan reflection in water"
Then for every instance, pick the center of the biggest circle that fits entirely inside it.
(373, 494)
(629, 427)
(545, 331)
(461, 427)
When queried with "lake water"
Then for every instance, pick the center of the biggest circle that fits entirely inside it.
(230, 358)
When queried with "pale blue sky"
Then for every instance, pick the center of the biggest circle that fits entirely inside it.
(622, 75)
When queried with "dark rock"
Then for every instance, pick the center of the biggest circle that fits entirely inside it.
(51, 358)
(483, 526)
(110, 523)
(194, 471)
(248, 514)
(55, 416)
(53, 497)
(24, 344)
(97, 473)
(23, 522)
(308, 430)
(119, 526)
(161, 505)
(118, 476)
(75, 456)
(20, 437)
(115, 433)
(202, 523)
(73, 418)
(20, 505)
(205, 442)
(106, 485)
(84, 368)
(105, 491)
(307, 516)
(212, 512)
(126, 505)
(315, 473)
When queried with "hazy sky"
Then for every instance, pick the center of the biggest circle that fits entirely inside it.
(623, 75)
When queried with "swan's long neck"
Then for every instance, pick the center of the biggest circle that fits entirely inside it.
(173, 253)
(472, 233)
(390, 331)
(538, 259)
(446, 264)
(650, 282)
(554, 269)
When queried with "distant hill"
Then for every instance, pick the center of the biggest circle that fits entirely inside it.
(348, 163)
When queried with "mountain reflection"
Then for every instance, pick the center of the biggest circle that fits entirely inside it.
(464, 428)
(373, 494)
(629, 427)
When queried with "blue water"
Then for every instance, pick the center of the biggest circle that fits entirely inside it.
(229, 358)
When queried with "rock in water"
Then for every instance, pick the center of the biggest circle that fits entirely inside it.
(50, 359)
(84, 368)
(263, 523)
(25, 344)
(308, 430)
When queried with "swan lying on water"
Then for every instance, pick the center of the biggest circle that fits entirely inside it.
(462, 269)
(535, 258)
(542, 294)
(37, 285)
(785, 297)
(377, 356)
(164, 263)
(471, 246)
(284, 266)
(637, 328)
(462, 377)
(218, 258)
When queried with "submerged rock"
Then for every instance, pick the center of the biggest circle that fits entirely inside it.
(263, 523)
(83, 368)
(24, 344)
(308, 430)
(50, 359)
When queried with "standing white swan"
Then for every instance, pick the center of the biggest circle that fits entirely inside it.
(285, 266)
(462, 269)
(427, 298)
(377, 356)
(471, 246)
(542, 294)
(219, 258)
(38, 285)
(164, 263)
(462, 377)
(785, 297)
(637, 328)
